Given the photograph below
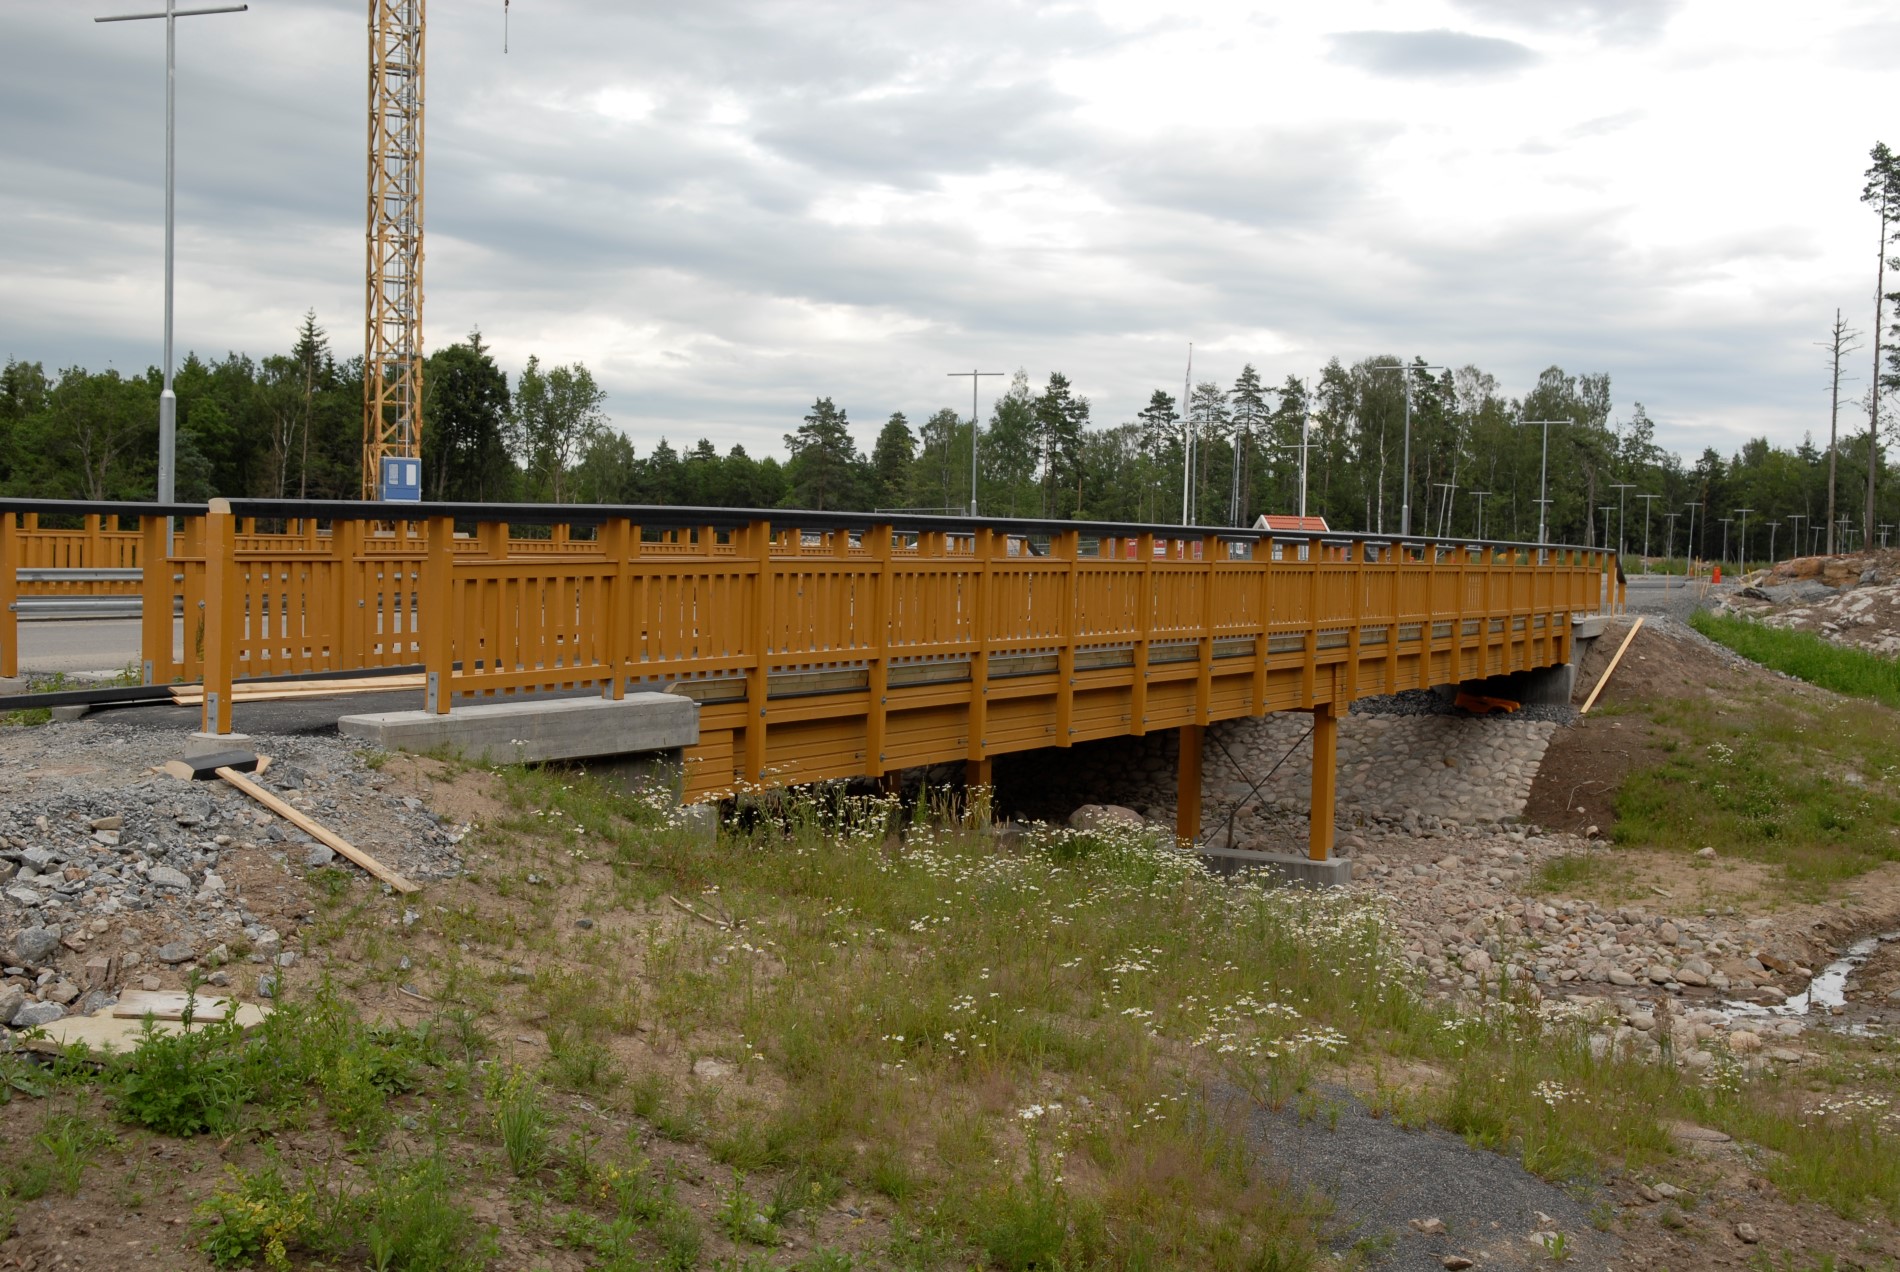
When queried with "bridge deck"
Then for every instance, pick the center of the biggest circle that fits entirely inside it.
(824, 645)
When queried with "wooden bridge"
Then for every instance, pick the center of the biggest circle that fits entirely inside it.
(824, 645)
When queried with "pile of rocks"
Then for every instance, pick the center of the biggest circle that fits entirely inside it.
(109, 869)
(1459, 900)
(1850, 600)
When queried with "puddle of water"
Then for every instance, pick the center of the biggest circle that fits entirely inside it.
(1827, 990)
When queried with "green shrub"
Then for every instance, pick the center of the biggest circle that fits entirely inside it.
(185, 1082)
(254, 1216)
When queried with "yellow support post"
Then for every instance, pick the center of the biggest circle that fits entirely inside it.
(223, 599)
(155, 600)
(1144, 626)
(1187, 787)
(9, 593)
(758, 639)
(877, 546)
(616, 599)
(438, 616)
(982, 546)
(1067, 547)
(1319, 840)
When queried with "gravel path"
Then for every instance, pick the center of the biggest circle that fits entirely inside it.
(1389, 1184)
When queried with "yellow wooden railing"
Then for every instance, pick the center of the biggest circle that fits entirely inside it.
(841, 645)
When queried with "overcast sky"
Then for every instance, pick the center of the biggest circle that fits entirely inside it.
(728, 209)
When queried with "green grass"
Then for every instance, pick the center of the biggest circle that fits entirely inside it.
(1808, 786)
(1854, 672)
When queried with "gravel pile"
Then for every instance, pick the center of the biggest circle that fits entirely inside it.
(107, 866)
(1457, 896)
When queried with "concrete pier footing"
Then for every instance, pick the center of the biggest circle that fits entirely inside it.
(534, 730)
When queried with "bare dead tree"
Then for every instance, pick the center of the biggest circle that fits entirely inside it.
(1839, 343)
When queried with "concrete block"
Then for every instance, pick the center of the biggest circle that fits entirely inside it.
(1587, 626)
(1283, 867)
(537, 729)
(215, 743)
(71, 711)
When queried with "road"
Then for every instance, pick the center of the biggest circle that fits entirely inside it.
(84, 647)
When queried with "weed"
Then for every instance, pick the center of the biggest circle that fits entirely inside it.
(69, 1141)
(413, 1223)
(185, 1082)
(253, 1216)
(741, 1218)
(519, 1121)
(1854, 672)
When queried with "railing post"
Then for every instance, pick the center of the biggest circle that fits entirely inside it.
(224, 599)
(617, 598)
(1260, 558)
(877, 545)
(438, 617)
(1067, 547)
(1144, 626)
(1319, 834)
(155, 600)
(1204, 681)
(9, 595)
(982, 547)
(758, 639)
(1309, 674)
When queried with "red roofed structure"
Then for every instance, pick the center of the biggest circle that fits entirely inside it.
(1288, 521)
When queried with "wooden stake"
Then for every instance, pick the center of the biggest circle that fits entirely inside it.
(319, 832)
(1604, 679)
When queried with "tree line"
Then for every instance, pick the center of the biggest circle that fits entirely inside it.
(289, 426)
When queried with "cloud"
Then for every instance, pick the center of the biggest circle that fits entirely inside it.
(1438, 54)
(1609, 21)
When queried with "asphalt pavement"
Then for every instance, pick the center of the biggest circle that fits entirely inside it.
(84, 646)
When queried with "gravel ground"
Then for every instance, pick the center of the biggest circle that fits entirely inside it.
(1659, 594)
(1394, 1182)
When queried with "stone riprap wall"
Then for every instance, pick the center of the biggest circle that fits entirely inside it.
(1413, 771)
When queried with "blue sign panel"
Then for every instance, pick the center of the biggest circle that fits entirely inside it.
(400, 481)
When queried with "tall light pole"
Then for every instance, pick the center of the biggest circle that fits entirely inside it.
(1884, 527)
(1669, 543)
(1607, 510)
(1772, 527)
(1405, 498)
(975, 376)
(1543, 480)
(1479, 496)
(1622, 489)
(1797, 518)
(1688, 551)
(1741, 561)
(1726, 522)
(168, 400)
(1444, 518)
(1648, 500)
(1187, 438)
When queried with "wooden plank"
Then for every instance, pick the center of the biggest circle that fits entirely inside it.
(169, 1004)
(316, 830)
(1604, 679)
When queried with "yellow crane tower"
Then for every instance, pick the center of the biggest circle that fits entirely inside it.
(392, 318)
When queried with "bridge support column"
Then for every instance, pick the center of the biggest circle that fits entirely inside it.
(978, 772)
(1319, 842)
(1187, 793)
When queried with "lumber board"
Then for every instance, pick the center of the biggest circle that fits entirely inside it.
(169, 1004)
(1604, 679)
(318, 831)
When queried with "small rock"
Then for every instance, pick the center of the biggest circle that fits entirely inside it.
(167, 877)
(1706, 854)
(707, 1067)
(1099, 817)
(150, 983)
(1690, 976)
(1743, 1041)
(61, 992)
(177, 952)
(1649, 1194)
(12, 998)
(1455, 1262)
(584, 924)
(34, 1014)
(319, 856)
(1659, 975)
(1783, 1055)
(1620, 977)
(1430, 1227)
(1666, 1191)
(212, 886)
(267, 987)
(36, 944)
(1746, 1231)
(108, 823)
(1592, 832)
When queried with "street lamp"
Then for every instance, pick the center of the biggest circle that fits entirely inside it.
(1621, 488)
(1607, 510)
(1543, 480)
(974, 377)
(1688, 551)
(1741, 562)
(1726, 522)
(1648, 500)
(167, 399)
(1479, 496)
(1669, 543)
(1797, 518)
(1772, 527)
(1405, 502)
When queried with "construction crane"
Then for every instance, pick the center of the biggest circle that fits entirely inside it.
(392, 318)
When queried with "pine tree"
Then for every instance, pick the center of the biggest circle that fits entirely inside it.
(891, 460)
(824, 463)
